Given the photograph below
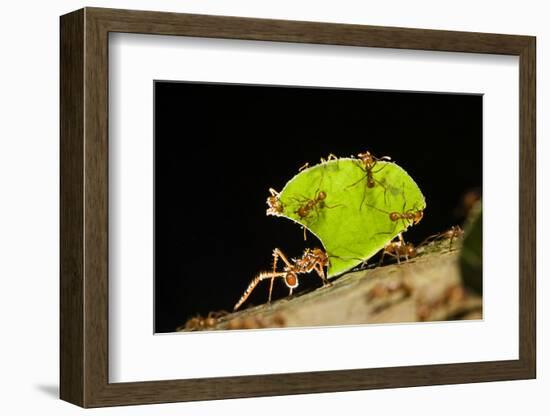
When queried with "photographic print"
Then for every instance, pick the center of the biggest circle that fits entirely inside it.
(282, 206)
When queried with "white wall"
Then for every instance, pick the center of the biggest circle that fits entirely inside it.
(29, 205)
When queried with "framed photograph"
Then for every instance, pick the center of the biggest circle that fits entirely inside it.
(255, 207)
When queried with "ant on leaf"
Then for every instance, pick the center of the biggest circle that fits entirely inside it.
(313, 205)
(274, 204)
(367, 162)
(408, 217)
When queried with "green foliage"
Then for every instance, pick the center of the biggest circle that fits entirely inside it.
(353, 221)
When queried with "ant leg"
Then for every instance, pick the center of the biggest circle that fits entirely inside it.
(333, 206)
(385, 233)
(382, 257)
(282, 257)
(385, 191)
(429, 239)
(278, 254)
(303, 199)
(290, 291)
(363, 199)
(395, 256)
(305, 234)
(333, 157)
(378, 209)
(404, 244)
(275, 260)
(252, 285)
(404, 199)
(304, 166)
(355, 183)
(362, 177)
(319, 269)
(401, 239)
(381, 159)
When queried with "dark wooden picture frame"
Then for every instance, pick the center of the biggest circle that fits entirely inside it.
(84, 207)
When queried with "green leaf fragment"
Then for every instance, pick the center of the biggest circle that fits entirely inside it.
(353, 220)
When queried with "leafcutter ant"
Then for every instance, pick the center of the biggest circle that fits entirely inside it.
(367, 162)
(199, 323)
(274, 204)
(455, 232)
(452, 234)
(408, 217)
(310, 205)
(312, 260)
(307, 206)
(398, 249)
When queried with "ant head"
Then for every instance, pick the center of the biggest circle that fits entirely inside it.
(365, 156)
(291, 280)
(320, 254)
(321, 195)
(274, 193)
(275, 206)
(418, 215)
(411, 251)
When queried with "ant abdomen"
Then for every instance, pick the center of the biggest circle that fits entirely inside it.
(291, 280)
(395, 216)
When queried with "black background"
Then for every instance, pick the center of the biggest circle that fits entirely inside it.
(220, 147)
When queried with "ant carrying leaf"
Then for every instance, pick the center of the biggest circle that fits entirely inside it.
(329, 201)
(312, 260)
